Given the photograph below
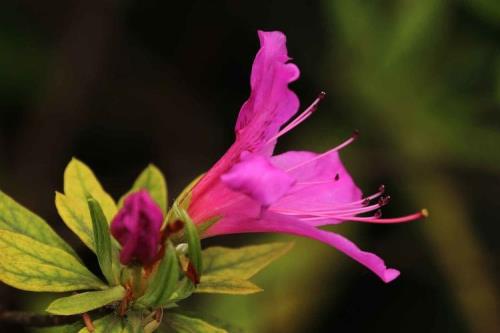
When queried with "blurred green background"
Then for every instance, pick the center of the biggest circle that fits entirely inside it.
(122, 83)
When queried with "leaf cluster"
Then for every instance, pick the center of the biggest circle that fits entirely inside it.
(133, 299)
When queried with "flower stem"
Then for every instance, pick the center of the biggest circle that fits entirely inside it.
(136, 274)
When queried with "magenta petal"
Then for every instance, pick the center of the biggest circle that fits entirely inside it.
(256, 177)
(270, 105)
(271, 102)
(271, 222)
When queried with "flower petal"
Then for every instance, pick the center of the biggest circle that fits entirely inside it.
(256, 177)
(271, 222)
(323, 184)
(271, 102)
(270, 105)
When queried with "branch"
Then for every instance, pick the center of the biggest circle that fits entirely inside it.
(35, 319)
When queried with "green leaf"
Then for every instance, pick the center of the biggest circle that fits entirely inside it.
(184, 324)
(184, 289)
(87, 301)
(226, 271)
(213, 320)
(102, 242)
(18, 219)
(164, 282)
(194, 244)
(31, 265)
(75, 214)
(241, 263)
(212, 284)
(107, 324)
(153, 181)
(81, 183)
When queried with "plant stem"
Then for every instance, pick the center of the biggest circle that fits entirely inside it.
(136, 272)
(35, 319)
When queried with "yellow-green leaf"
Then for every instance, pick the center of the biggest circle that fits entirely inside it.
(107, 324)
(184, 324)
(31, 265)
(213, 284)
(87, 301)
(81, 183)
(153, 181)
(241, 263)
(76, 215)
(16, 218)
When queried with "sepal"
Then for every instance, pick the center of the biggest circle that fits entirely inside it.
(164, 282)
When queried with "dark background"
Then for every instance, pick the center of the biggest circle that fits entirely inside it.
(120, 84)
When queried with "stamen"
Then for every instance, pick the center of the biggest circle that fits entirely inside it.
(303, 116)
(374, 219)
(328, 212)
(344, 144)
(364, 201)
(354, 211)
(384, 200)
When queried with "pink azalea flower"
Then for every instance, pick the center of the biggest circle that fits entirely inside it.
(136, 226)
(294, 193)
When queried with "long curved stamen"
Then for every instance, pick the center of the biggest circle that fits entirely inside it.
(344, 144)
(376, 219)
(329, 213)
(303, 116)
(363, 202)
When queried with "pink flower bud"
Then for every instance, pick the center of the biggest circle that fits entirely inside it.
(136, 226)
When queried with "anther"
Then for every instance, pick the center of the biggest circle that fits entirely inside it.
(365, 202)
(381, 188)
(378, 214)
(384, 200)
(315, 104)
(355, 134)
